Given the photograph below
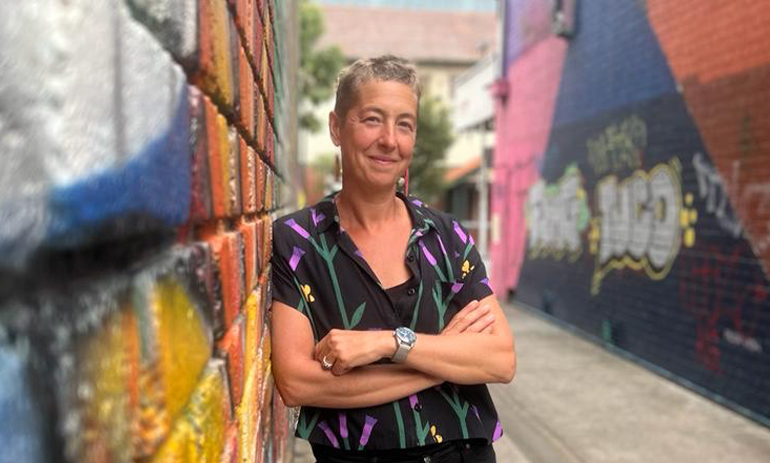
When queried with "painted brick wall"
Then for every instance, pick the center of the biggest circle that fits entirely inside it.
(632, 183)
(144, 145)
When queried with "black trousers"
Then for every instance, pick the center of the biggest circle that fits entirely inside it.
(448, 452)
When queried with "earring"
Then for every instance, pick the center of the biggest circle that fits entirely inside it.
(401, 182)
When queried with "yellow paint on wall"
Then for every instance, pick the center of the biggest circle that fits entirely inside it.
(184, 345)
(253, 323)
(220, 81)
(246, 415)
(225, 157)
(198, 436)
(102, 395)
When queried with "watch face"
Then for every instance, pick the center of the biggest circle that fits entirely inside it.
(406, 335)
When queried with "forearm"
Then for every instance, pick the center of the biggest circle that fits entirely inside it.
(465, 358)
(361, 387)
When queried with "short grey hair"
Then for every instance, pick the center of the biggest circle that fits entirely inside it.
(386, 68)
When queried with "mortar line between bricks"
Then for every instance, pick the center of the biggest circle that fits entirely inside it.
(253, 66)
(230, 223)
(243, 38)
(241, 132)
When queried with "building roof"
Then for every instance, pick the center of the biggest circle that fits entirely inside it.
(423, 36)
(454, 175)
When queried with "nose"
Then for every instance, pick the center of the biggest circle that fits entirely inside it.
(388, 136)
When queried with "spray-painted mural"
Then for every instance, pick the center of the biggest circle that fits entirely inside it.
(632, 181)
(138, 141)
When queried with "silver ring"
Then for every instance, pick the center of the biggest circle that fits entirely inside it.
(325, 364)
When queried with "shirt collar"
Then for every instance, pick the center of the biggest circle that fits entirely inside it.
(324, 214)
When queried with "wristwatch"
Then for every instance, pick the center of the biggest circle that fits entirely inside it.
(405, 339)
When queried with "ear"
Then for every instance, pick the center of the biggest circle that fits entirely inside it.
(334, 128)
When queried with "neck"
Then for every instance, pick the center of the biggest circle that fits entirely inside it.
(368, 211)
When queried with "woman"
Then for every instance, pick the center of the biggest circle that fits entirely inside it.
(385, 329)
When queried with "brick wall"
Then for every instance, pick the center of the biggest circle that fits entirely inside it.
(632, 183)
(144, 146)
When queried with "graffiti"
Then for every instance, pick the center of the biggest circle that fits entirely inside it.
(756, 197)
(619, 147)
(640, 223)
(717, 306)
(712, 190)
(556, 217)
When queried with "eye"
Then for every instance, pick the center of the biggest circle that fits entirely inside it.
(372, 120)
(406, 125)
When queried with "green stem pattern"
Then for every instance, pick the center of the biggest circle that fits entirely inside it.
(421, 430)
(416, 307)
(304, 430)
(460, 410)
(400, 422)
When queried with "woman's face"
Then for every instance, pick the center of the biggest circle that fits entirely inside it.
(377, 135)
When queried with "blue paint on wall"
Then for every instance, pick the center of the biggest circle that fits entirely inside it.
(153, 184)
(20, 428)
(613, 61)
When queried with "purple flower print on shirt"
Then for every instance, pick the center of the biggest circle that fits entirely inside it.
(498, 431)
(413, 401)
(441, 243)
(329, 434)
(368, 425)
(428, 255)
(296, 255)
(297, 228)
(343, 425)
(317, 218)
(485, 281)
(417, 202)
(460, 232)
(457, 287)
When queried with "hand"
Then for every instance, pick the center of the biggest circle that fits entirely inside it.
(473, 318)
(347, 349)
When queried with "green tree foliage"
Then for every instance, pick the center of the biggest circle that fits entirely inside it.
(434, 136)
(318, 67)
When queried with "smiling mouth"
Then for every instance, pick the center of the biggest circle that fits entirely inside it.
(382, 161)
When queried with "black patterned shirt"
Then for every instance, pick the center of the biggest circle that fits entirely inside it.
(318, 270)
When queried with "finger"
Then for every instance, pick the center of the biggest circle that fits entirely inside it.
(487, 330)
(320, 347)
(472, 318)
(469, 308)
(481, 324)
(338, 369)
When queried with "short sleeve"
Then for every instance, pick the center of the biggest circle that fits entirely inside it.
(285, 287)
(471, 271)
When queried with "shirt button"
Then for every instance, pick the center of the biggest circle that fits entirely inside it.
(418, 407)
(410, 257)
(427, 459)
(411, 291)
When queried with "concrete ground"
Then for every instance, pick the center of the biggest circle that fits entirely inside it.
(572, 401)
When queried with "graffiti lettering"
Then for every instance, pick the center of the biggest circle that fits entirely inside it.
(711, 189)
(756, 197)
(619, 147)
(717, 307)
(639, 223)
(557, 214)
